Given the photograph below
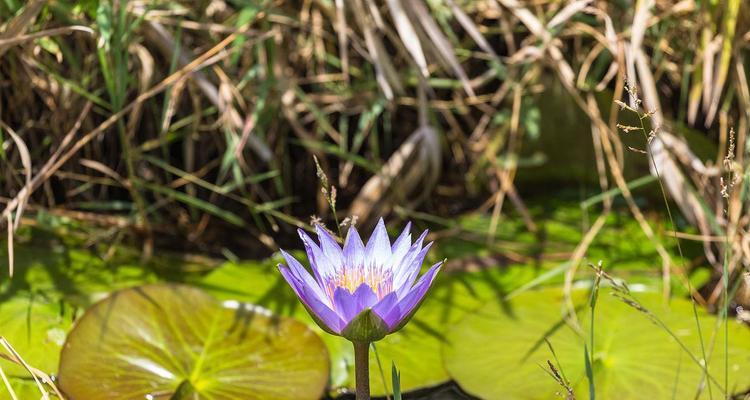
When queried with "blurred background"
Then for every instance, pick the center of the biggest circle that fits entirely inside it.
(538, 140)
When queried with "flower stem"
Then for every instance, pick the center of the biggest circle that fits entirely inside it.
(362, 369)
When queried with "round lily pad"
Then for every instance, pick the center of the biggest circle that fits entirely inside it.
(158, 341)
(501, 350)
(262, 284)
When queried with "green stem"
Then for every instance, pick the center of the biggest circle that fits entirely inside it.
(362, 369)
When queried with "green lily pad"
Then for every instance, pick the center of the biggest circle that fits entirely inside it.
(50, 268)
(62, 267)
(36, 330)
(261, 283)
(161, 339)
(23, 388)
(499, 350)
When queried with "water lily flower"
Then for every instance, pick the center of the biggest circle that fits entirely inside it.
(361, 292)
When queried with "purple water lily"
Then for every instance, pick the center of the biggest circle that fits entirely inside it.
(362, 292)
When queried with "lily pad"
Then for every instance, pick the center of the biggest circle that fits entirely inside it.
(159, 340)
(60, 267)
(23, 388)
(499, 350)
(261, 283)
(50, 268)
(36, 330)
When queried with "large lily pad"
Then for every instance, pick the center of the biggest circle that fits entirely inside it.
(161, 339)
(498, 351)
(261, 283)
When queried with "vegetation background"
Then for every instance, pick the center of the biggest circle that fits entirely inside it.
(549, 134)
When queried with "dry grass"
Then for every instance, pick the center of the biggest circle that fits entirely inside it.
(187, 120)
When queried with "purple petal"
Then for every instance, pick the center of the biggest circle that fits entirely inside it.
(414, 250)
(345, 304)
(401, 246)
(378, 249)
(407, 272)
(322, 312)
(321, 265)
(365, 296)
(407, 304)
(385, 305)
(299, 272)
(330, 247)
(354, 249)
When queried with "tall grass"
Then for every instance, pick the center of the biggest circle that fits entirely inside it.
(327, 80)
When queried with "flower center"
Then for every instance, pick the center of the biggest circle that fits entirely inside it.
(380, 280)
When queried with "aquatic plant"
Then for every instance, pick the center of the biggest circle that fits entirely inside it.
(361, 292)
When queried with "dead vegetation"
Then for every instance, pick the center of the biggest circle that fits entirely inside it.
(188, 120)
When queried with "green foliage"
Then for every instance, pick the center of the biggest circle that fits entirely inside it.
(396, 382)
(58, 266)
(632, 355)
(161, 340)
(36, 329)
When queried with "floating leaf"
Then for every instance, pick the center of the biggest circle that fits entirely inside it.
(59, 268)
(498, 351)
(36, 330)
(23, 388)
(263, 285)
(160, 339)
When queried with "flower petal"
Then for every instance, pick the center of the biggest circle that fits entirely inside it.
(322, 266)
(345, 305)
(354, 249)
(378, 249)
(323, 315)
(385, 305)
(400, 314)
(365, 296)
(330, 246)
(401, 246)
(407, 272)
(299, 272)
(413, 250)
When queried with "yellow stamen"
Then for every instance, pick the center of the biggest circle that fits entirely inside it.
(379, 280)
